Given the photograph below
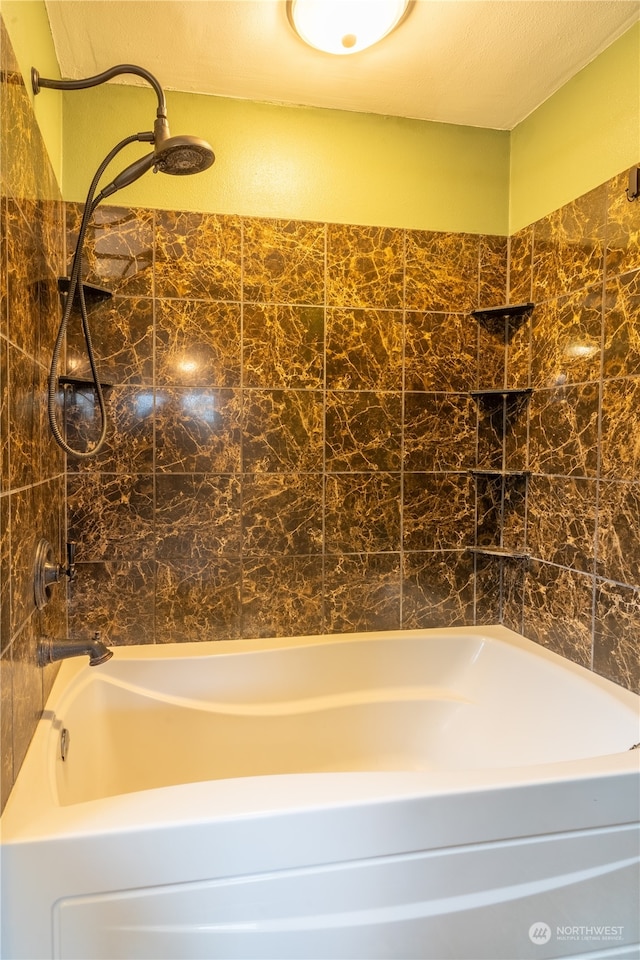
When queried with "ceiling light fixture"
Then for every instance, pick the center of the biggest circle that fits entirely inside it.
(345, 26)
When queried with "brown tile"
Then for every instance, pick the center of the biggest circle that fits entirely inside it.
(518, 352)
(364, 266)
(26, 267)
(492, 353)
(281, 514)
(128, 447)
(620, 456)
(198, 343)
(4, 415)
(198, 600)
(5, 573)
(122, 338)
(491, 422)
(440, 351)
(362, 592)
(562, 521)
(616, 652)
(489, 514)
(569, 247)
(621, 326)
(197, 516)
(24, 536)
(364, 350)
(114, 597)
(558, 610)
(439, 432)
(564, 431)
(493, 255)
(282, 596)
(26, 691)
(282, 431)
(437, 511)
(110, 516)
(618, 553)
(363, 431)
(6, 727)
(442, 271)
(520, 266)
(567, 335)
(198, 255)
(488, 590)
(283, 346)
(283, 261)
(437, 589)
(197, 430)
(362, 513)
(118, 251)
(514, 575)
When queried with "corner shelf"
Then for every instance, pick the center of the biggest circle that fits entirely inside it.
(503, 474)
(81, 382)
(512, 310)
(499, 552)
(92, 294)
(506, 393)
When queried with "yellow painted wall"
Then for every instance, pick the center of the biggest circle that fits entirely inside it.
(27, 24)
(300, 162)
(584, 134)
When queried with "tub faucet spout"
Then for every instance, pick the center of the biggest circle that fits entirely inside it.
(49, 651)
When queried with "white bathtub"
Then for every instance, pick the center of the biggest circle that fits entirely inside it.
(446, 794)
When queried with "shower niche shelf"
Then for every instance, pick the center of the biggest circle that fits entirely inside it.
(93, 295)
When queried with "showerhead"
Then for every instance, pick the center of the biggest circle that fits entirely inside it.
(181, 156)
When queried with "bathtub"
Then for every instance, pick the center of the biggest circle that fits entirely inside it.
(459, 794)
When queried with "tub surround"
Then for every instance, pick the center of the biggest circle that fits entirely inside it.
(302, 430)
(285, 450)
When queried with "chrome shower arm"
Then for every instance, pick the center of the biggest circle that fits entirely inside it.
(37, 82)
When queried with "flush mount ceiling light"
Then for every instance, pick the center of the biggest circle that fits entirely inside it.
(345, 26)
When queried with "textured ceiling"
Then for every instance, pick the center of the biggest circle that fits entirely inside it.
(485, 63)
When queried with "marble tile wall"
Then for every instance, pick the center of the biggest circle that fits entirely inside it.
(291, 429)
(31, 467)
(580, 438)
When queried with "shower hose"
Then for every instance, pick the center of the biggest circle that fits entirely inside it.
(76, 288)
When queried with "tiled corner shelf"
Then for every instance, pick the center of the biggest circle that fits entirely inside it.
(512, 310)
